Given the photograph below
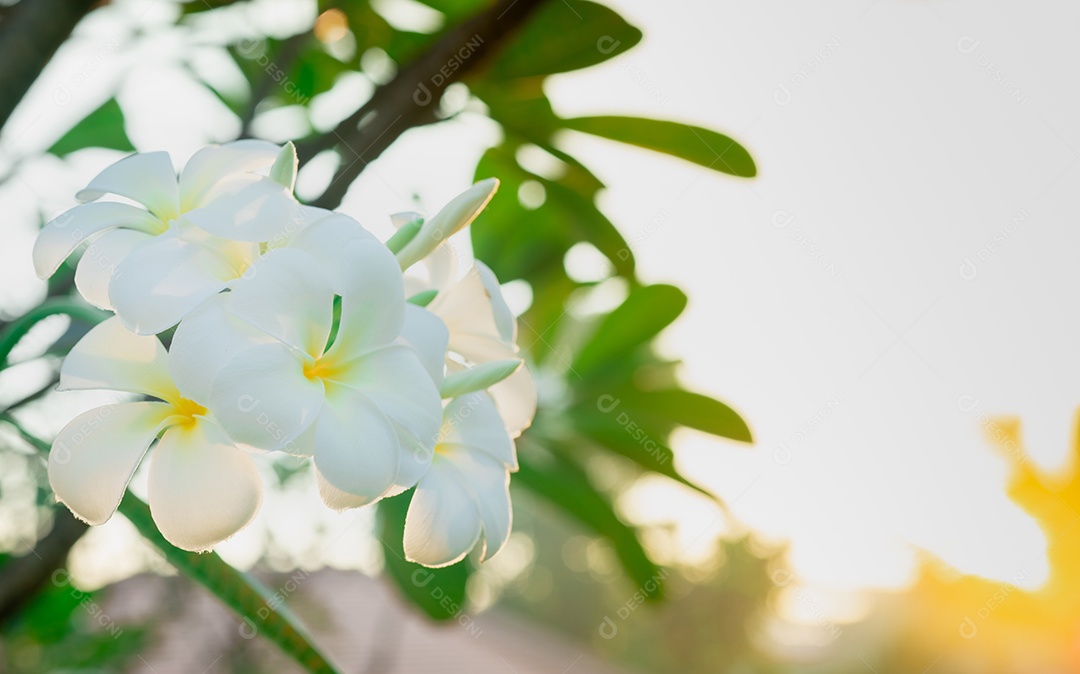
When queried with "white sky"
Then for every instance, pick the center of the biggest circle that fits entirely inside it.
(894, 139)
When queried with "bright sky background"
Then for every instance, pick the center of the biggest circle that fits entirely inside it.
(895, 140)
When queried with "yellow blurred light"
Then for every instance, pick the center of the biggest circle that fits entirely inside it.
(331, 26)
(1029, 620)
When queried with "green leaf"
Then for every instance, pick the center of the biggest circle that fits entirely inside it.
(404, 46)
(514, 241)
(622, 434)
(478, 377)
(314, 73)
(262, 609)
(439, 593)
(566, 485)
(578, 176)
(103, 127)
(590, 224)
(521, 243)
(644, 313)
(520, 106)
(692, 410)
(563, 36)
(455, 10)
(708, 148)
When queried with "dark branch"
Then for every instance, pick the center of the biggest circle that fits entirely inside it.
(30, 34)
(412, 98)
(24, 576)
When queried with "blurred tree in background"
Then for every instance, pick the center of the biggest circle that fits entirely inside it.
(608, 401)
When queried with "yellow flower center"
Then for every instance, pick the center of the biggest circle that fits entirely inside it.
(187, 410)
(322, 368)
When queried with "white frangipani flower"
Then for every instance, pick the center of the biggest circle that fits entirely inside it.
(189, 237)
(365, 408)
(202, 487)
(464, 498)
(482, 327)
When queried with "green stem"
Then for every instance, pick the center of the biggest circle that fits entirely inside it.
(18, 328)
(31, 439)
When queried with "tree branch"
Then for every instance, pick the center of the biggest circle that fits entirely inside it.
(30, 34)
(412, 98)
(24, 576)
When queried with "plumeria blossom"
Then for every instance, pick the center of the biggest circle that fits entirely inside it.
(365, 407)
(464, 498)
(296, 331)
(186, 237)
(482, 327)
(202, 487)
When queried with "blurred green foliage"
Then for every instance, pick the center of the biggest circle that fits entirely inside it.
(63, 629)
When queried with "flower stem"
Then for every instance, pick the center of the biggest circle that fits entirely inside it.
(17, 329)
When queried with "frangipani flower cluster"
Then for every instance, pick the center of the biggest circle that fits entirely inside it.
(297, 331)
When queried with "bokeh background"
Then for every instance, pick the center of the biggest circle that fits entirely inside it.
(888, 304)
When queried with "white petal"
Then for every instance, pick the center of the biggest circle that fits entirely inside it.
(414, 461)
(480, 348)
(210, 165)
(455, 216)
(335, 498)
(204, 343)
(303, 444)
(111, 357)
(399, 386)
(490, 483)
(515, 397)
(399, 220)
(396, 382)
(426, 334)
(372, 301)
(468, 311)
(260, 210)
(473, 421)
(99, 261)
(161, 282)
(286, 295)
(434, 272)
(63, 234)
(238, 254)
(505, 320)
(147, 178)
(306, 217)
(443, 523)
(356, 449)
(202, 488)
(328, 241)
(95, 455)
(262, 397)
